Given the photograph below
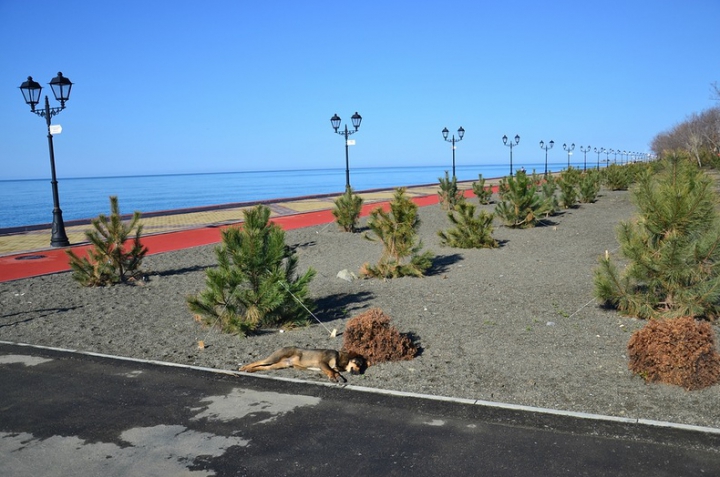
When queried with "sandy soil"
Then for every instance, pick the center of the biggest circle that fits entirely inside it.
(516, 324)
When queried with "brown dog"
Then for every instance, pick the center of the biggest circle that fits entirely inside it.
(328, 361)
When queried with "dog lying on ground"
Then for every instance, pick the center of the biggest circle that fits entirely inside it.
(328, 361)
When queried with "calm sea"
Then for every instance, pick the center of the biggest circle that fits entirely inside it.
(29, 202)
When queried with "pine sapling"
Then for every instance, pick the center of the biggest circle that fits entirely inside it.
(449, 194)
(481, 191)
(617, 177)
(548, 187)
(397, 230)
(536, 178)
(569, 182)
(672, 249)
(521, 206)
(589, 186)
(347, 210)
(469, 231)
(110, 261)
(255, 283)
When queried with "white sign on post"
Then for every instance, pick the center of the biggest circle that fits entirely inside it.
(55, 129)
(351, 142)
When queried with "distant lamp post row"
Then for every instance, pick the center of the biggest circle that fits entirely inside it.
(511, 144)
(549, 146)
(461, 133)
(356, 120)
(569, 150)
(628, 156)
(625, 156)
(31, 90)
(335, 121)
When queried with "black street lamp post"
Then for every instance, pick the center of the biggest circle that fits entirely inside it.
(511, 144)
(549, 146)
(607, 157)
(569, 150)
(461, 133)
(31, 90)
(584, 151)
(599, 151)
(335, 121)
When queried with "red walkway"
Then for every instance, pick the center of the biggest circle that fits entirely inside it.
(31, 264)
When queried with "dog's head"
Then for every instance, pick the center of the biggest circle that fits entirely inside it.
(355, 364)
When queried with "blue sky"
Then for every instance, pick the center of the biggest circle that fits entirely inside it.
(189, 86)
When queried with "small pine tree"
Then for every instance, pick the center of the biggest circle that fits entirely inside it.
(482, 192)
(536, 178)
(449, 194)
(617, 177)
(589, 186)
(255, 282)
(469, 231)
(673, 248)
(347, 210)
(109, 261)
(397, 230)
(569, 181)
(520, 204)
(547, 191)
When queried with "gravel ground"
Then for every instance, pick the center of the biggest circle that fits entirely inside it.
(517, 324)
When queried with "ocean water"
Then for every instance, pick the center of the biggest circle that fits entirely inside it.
(29, 202)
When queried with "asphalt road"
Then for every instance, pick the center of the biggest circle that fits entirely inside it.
(67, 414)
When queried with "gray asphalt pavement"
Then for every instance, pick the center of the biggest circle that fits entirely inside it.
(68, 414)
